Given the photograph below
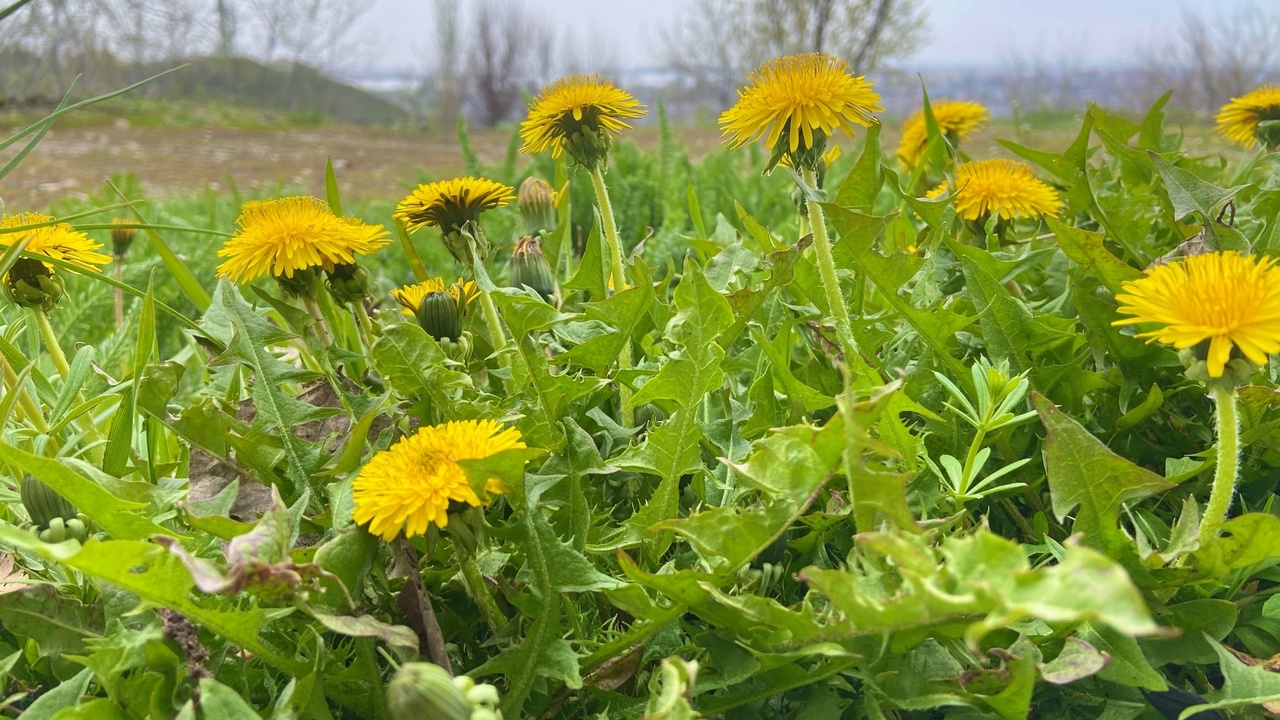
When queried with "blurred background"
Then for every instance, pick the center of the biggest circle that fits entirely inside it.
(271, 87)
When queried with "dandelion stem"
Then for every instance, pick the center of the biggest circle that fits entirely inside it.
(618, 275)
(364, 324)
(497, 338)
(64, 371)
(51, 342)
(478, 588)
(28, 406)
(322, 330)
(827, 271)
(119, 296)
(1224, 478)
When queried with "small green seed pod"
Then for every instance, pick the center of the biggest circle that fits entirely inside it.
(438, 315)
(423, 690)
(42, 503)
(529, 267)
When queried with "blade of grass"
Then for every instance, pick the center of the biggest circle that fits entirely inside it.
(44, 130)
(120, 439)
(11, 255)
(83, 103)
(153, 226)
(12, 9)
(187, 281)
(331, 187)
(415, 261)
(186, 321)
(66, 219)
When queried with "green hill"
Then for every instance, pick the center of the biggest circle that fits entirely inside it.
(290, 89)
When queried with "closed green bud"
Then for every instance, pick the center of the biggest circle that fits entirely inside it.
(529, 267)
(42, 503)
(648, 413)
(438, 315)
(121, 237)
(457, 242)
(30, 284)
(348, 283)
(537, 202)
(423, 691)
(301, 284)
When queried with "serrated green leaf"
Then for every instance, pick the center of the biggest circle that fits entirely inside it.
(1085, 476)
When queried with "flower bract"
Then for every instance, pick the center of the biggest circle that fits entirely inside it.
(410, 485)
(1222, 298)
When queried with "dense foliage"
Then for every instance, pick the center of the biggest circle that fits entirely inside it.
(992, 510)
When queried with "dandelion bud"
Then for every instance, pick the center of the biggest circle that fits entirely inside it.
(423, 690)
(30, 284)
(537, 205)
(529, 267)
(121, 237)
(438, 315)
(348, 283)
(43, 504)
(302, 283)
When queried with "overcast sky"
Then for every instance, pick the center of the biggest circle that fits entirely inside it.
(960, 31)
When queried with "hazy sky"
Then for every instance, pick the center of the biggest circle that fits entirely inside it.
(960, 31)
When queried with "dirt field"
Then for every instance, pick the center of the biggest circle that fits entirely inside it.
(371, 162)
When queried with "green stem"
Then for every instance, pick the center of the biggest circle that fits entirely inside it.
(51, 342)
(30, 410)
(827, 271)
(1224, 478)
(366, 649)
(364, 324)
(497, 338)
(478, 588)
(322, 330)
(618, 275)
(64, 370)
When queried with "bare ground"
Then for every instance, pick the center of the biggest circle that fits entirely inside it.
(371, 162)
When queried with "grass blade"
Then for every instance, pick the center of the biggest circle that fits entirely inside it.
(331, 187)
(44, 130)
(415, 261)
(12, 9)
(83, 103)
(187, 281)
(120, 439)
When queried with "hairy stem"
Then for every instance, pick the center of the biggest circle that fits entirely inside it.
(827, 271)
(619, 278)
(478, 588)
(64, 370)
(1224, 478)
(322, 330)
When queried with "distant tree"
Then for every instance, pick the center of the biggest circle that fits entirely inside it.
(314, 32)
(510, 53)
(1213, 58)
(717, 42)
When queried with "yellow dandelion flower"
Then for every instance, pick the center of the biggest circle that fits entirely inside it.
(451, 204)
(1222, 297)
(410, 485)
(1239, 120)
(410, 296)
(1000, 187)
(794, 103)
(956, 119)
(578, 113)
(289, 235)
(59, 241)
